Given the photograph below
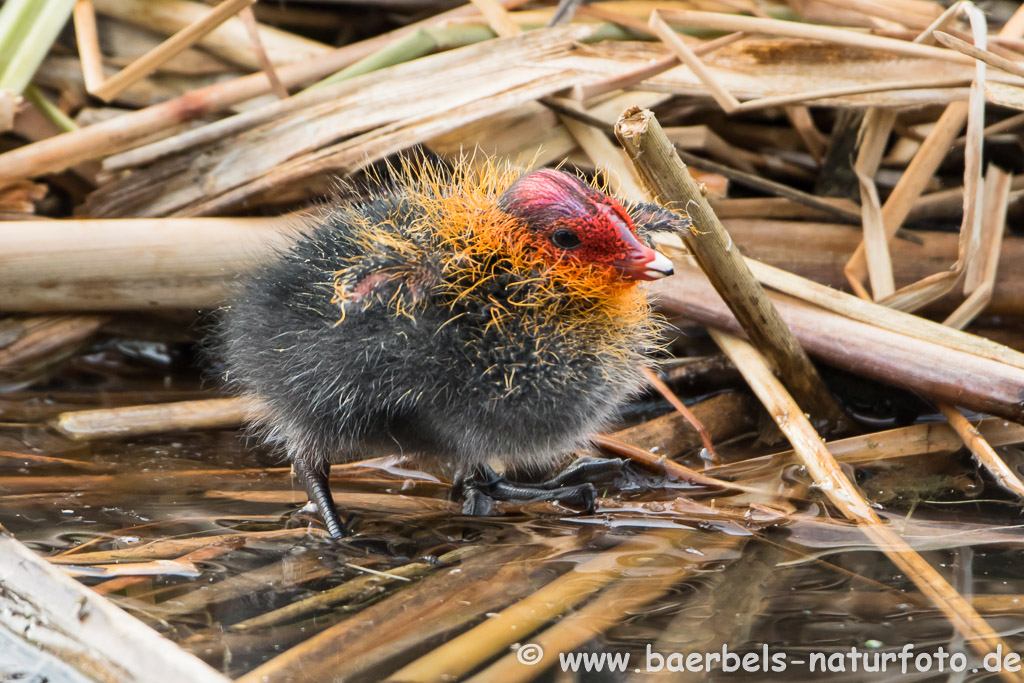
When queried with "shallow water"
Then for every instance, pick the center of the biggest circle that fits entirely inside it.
(203, 536)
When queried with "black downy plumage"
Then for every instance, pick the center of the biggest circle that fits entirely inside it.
(466, 317)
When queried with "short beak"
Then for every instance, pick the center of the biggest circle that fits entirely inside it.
(642, 262)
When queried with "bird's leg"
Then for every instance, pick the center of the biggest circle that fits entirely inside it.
(314, 480)
(571, 486)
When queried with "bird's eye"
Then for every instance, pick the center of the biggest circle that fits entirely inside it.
(565, 239)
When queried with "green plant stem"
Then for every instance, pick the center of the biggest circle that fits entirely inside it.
(31, 35)
(49, 110)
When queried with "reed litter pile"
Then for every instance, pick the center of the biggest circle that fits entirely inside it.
(853, 172)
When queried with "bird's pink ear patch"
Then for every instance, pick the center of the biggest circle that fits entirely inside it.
(547, 196)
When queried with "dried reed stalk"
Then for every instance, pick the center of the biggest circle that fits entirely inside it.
(938, 372)
(91, 635)
(115, 135)
(982, 450)
(88, 42)
(252, 27)
(162, 417)
(831, 480)
(993, 60)
(180, 41)
(902, 442)
(794, 29)
(666, 176)
(681, 408)
(464, 652)
(229, 41)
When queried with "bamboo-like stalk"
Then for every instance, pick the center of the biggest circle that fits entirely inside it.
(666, 176)
(137, 264)
(831, 480)
(180, 41)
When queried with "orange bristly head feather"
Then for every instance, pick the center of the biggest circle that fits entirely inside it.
(569, 252)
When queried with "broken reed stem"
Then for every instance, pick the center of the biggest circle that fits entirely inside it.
(252, 27)
(982, 450)
(830, 479)
(664, 464)
(180, 41)
(88, 44)
(102, 423)
(668, 179)
(671, 397)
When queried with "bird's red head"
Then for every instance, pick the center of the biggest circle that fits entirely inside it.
(572, 220)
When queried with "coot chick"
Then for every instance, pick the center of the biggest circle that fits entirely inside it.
(461, 315)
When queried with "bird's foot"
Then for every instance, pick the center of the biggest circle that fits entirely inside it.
(572, 486)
